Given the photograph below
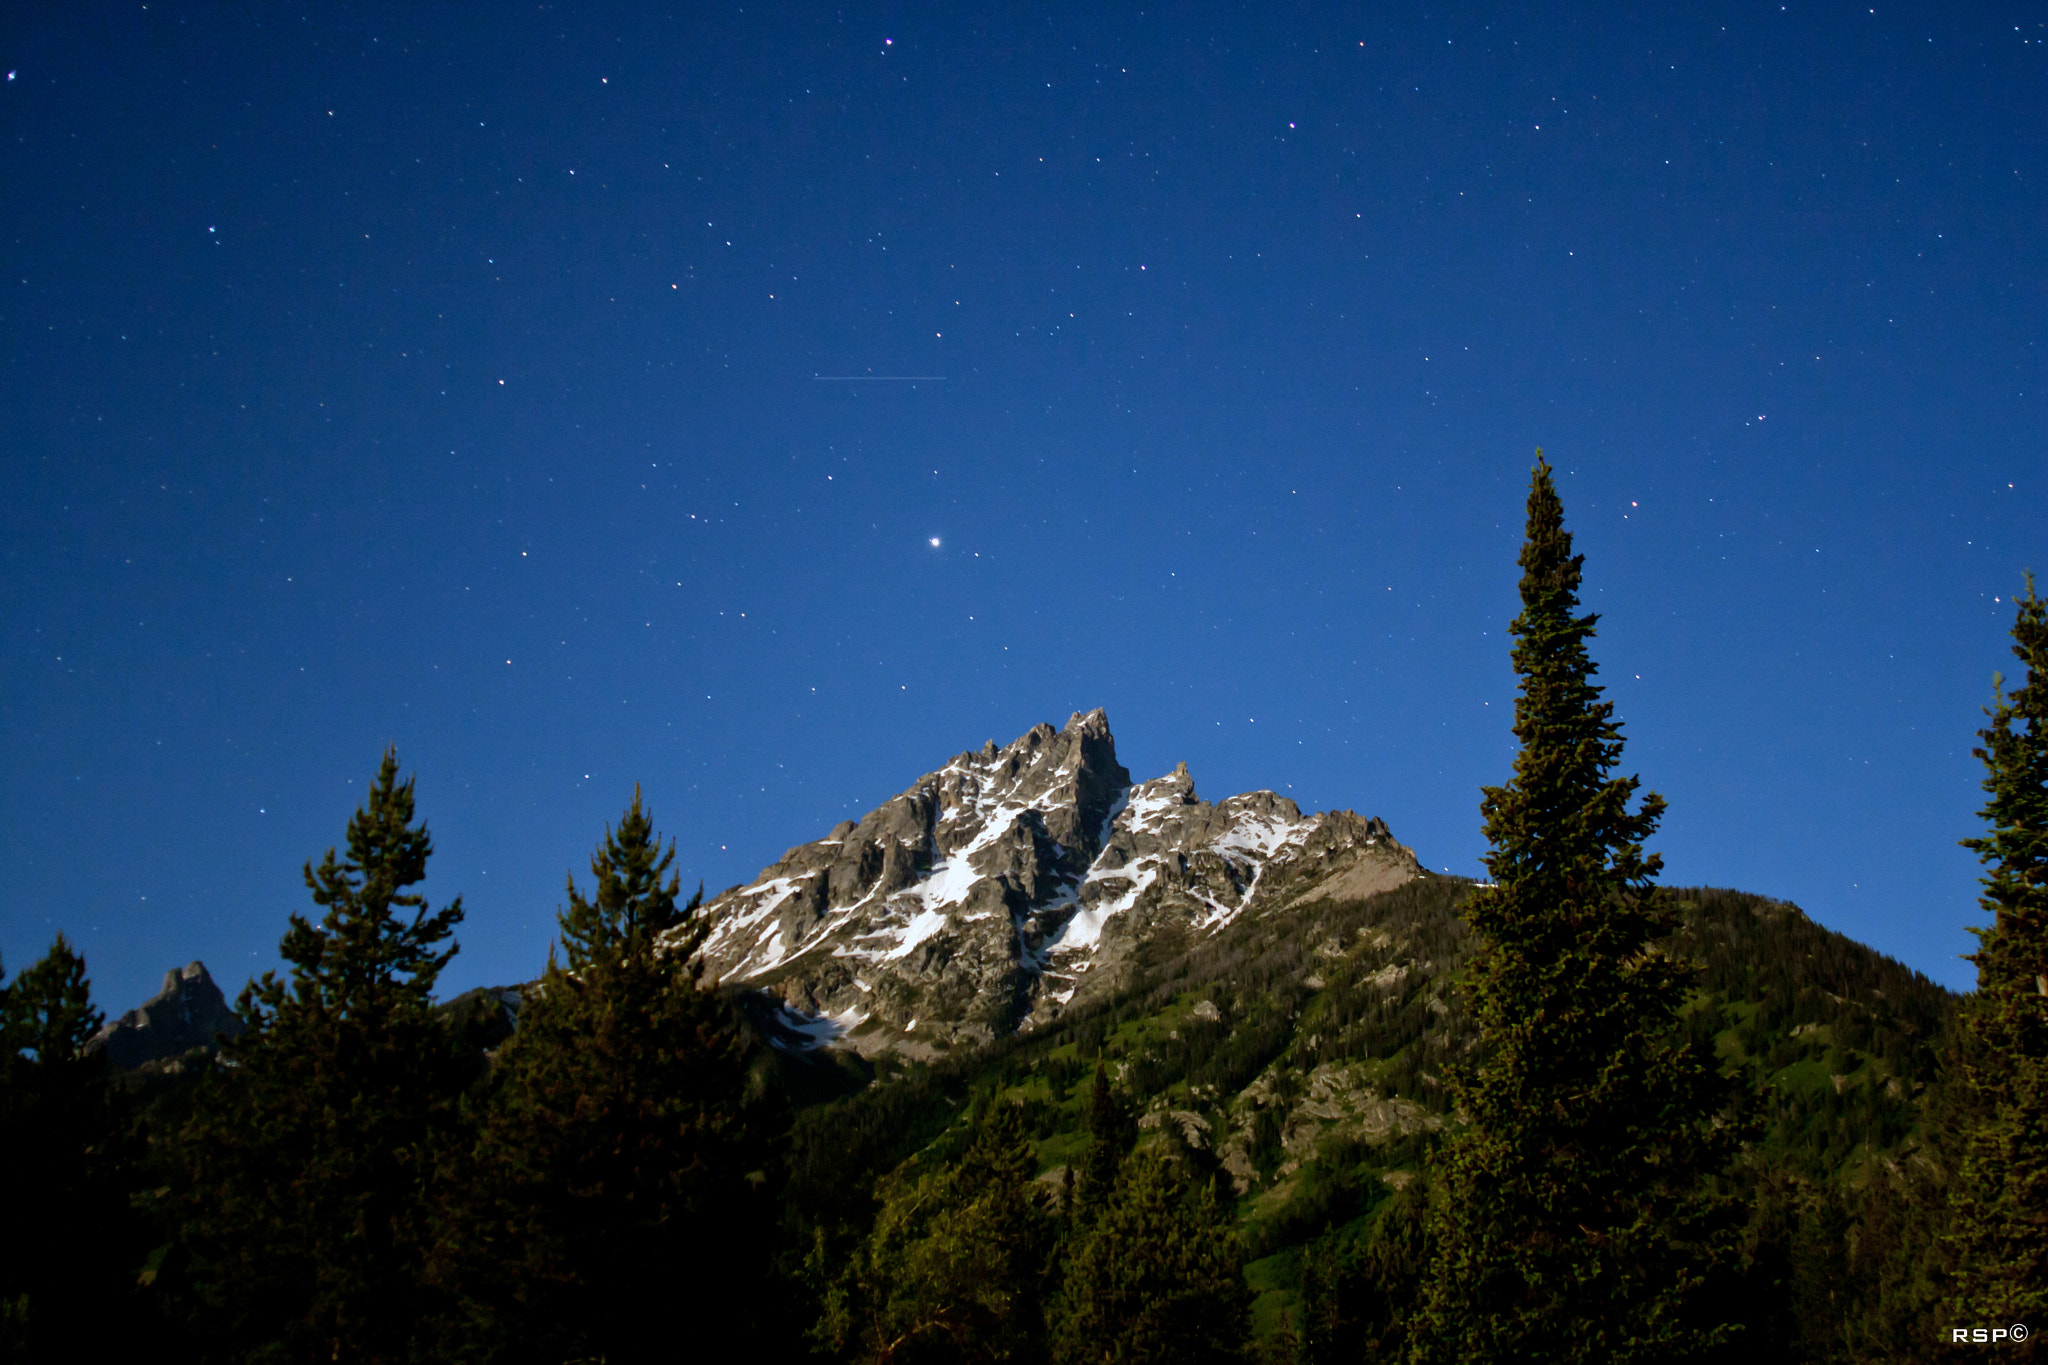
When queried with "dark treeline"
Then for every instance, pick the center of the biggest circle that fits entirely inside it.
(352, 1179)
(837, 1181)
(907, 1220)
(1563, 1115)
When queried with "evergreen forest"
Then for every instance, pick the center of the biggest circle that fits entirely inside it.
(1565, 1114)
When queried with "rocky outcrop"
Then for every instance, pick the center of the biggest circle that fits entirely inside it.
(189, 1012)
(484, 1017)
(1013, 882)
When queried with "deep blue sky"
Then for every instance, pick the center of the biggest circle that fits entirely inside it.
(452, 379)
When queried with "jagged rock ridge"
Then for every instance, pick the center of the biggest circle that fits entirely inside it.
(188, 1012)
(1013, 882)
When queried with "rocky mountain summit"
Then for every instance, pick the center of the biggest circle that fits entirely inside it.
(189, 1012)
(1016, 881)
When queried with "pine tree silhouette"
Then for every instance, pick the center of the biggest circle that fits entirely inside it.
(624, 1178)
(2001, 1200)
(1111, 1131)
(311, 1164)
(1573, 1226)
(68, 1278)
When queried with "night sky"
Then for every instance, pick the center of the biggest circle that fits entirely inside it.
(764, 404)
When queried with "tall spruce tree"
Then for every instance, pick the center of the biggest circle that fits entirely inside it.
(1573, 1225)
(1111, 1132)
(2001, 1197)
(623, 1179)
(1157, 1278)
(67, 1287)
(310, 1166)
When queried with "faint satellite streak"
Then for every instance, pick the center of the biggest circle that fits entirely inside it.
(879, 378)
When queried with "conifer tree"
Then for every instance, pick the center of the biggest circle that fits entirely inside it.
(1111, 1131)
(954, 1269)
(1359, 1285)
(1573, 1226)
(47, 1016)
(1157, 1278)
(624, 1169)
(67, 1278)
(2001, 1201)
(311, 1162)
(632, 907)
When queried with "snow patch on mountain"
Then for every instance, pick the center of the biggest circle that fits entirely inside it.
(995, 890)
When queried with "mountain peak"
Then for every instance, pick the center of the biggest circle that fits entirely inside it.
(992, 893)
(188, 1012)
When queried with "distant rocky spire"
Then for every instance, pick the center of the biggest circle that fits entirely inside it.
(188, 1012)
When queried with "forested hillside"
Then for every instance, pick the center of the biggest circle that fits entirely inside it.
(1297, 1065)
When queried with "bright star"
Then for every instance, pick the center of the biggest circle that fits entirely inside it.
(935, 542)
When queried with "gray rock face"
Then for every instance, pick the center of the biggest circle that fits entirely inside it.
(484, 1016)
(1014, 882)
(188, 1012)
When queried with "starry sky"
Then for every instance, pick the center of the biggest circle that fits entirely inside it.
(763, 404)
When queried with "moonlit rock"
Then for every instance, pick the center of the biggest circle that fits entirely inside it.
(188, 1012)
(1015, 883)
